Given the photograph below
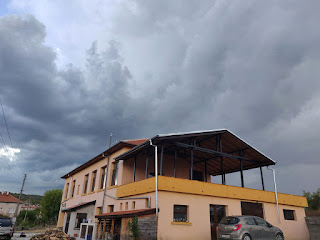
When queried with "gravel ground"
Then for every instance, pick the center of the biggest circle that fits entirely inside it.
(16, 236)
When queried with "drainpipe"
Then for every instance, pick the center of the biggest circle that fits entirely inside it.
(275, 190)
(130, 198)
(156, 172)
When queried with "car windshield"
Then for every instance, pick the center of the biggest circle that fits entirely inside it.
(230, 220)
(5, 222)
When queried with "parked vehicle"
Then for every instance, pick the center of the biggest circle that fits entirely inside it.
(6, 228)
(247, 228)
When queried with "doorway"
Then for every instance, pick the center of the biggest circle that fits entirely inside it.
(117, 228)
(217, 212)
(66, 228)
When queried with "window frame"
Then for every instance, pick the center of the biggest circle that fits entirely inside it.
(175, 218)
(114, 172)
(93, 180)
(66, 191)
(85, 183)
(285, 216)
(78, 222)
(103, 175)
(73, 186)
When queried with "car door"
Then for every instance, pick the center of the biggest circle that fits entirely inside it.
(252, 227)
(265, 232)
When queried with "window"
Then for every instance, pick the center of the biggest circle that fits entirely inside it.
(289, 214)
(81, 218)
(147, 203)
(120, 206)
(126, 206)
(250, 221)
(110, 208)
(66, 192)
(115, 167)
(261, 222)
(133, 205)
(73, 187)
(102, 176)
(11, 210)
(85, 184)
(78, 189)
(93, 180)
(180, 213)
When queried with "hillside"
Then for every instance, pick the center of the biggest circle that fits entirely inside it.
(35, 199)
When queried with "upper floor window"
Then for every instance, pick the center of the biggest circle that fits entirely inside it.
(66, 192)
(289, 214)
(73, 188)
(102, 177)
(180, 213)
(114, 180)
(85, 184)
(93, 181)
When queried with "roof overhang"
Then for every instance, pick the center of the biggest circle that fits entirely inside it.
(126, 214)
(234, 150)
(112, 149)
(81, 205)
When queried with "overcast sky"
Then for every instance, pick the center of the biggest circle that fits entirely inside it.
(71, 72)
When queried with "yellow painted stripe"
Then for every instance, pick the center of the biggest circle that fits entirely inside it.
(208, 189)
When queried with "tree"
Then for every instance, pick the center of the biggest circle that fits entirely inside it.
(313, 200)
(50, 205)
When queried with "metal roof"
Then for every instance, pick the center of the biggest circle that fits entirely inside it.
(206, 150)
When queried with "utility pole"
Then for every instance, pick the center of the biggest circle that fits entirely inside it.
(16, 212)
(25, 215)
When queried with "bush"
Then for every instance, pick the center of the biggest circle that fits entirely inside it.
(134, 228)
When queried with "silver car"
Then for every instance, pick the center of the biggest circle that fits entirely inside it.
(6, 229)
(247, 228)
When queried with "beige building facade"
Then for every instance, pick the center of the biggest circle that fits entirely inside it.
(180, 202)
(8, 204)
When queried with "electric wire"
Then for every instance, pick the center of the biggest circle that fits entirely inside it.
(8, 132)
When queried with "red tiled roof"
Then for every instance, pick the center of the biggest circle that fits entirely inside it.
(7, 198)
(136, 141)
(129, 213)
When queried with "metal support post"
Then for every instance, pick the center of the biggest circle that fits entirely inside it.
(147, 165)
(262, 181)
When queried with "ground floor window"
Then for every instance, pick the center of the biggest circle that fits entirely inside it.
(288, 214)
(180, 213)
(252, 209)
(81, 218)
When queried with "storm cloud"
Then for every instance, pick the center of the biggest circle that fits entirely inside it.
(70, 77)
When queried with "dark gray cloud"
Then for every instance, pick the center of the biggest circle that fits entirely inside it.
(248, 66)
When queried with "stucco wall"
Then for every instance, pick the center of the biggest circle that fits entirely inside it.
(199, 217)
(5, 207)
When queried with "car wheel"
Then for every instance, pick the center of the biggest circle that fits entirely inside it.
(279, 237)
(246, 237)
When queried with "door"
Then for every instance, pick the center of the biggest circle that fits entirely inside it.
(266, 233)
(117, 228)
(217, 212)
(66, 227)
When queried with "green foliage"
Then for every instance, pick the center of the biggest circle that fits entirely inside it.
(35, 199)
(27, 218)
(313, 200)
(134, 228)
(50, 205)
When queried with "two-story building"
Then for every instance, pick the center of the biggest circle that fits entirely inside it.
(167, 183)
(8, 204)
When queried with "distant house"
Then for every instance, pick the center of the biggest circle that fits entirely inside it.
(8, 204)
(167, 182)
(28, 207)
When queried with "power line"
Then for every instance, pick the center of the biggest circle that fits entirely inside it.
(5, 120)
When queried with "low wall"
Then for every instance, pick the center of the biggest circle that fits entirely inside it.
(313, 224)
